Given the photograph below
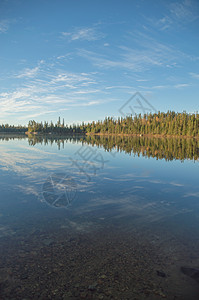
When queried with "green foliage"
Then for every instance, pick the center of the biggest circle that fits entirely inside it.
(164, 124)
(12, 129)
(170, 123)
(58, 128)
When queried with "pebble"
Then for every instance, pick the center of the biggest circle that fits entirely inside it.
(161, 273)
(92, 287)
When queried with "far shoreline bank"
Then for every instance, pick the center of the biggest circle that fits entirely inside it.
(28, 134)
(143, 135)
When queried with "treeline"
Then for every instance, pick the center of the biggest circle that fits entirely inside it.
(170, 123)
(164, 124)
(12, 129)
(57, 128)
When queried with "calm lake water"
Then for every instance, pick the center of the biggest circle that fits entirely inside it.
(98, 218)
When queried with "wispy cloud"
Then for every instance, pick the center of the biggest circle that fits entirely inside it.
(142, 80)
(64, 57)
(158, 87)
(118, 87)
(38, 114)
(83, 34)
(165, 86)
(196, 194)
(164, 23)
(183, 10)
(125, 61)
(181, 85)
(194, 75)
(176, 184)
(148, 54)
(28, 72)
(46, 89)
(176, 14)
(4, 26)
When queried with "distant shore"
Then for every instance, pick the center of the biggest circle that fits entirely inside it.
(27, 133)
(53, 134)
(143, 135)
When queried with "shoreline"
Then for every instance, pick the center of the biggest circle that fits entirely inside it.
(100, 134)
(143, 135)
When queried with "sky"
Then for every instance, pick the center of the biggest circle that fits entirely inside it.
(85, 60)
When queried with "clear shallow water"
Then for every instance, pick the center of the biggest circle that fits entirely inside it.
(77, 221)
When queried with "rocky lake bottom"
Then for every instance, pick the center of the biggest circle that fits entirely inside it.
(95, 260)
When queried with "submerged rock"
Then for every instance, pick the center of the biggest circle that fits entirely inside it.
(191, 272)
(161, 273)
(92, 287)
(48, 241)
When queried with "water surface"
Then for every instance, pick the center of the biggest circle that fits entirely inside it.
(98, 217)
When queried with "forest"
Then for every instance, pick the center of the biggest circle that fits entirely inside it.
(164, 124)
(57, 128)
(13, 129)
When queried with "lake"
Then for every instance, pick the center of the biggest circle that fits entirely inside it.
(98, 217)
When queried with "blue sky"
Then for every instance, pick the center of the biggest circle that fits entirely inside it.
(82, 60)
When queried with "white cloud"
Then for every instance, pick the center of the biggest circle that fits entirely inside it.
(65, 56)
(46, 89)
(149, 54)
(176, 184)
(194, 75)
(141, 80)
(84, 34)
(146, 53)
(176, 14)
(30, 116)
(181, 85)
(66, 33)
(182, 10)
(118, 87)
(164, 23)
(90, 103)
(158, 87)
(28, 72)
(196, 194)
(4, 26)
(86, 91)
